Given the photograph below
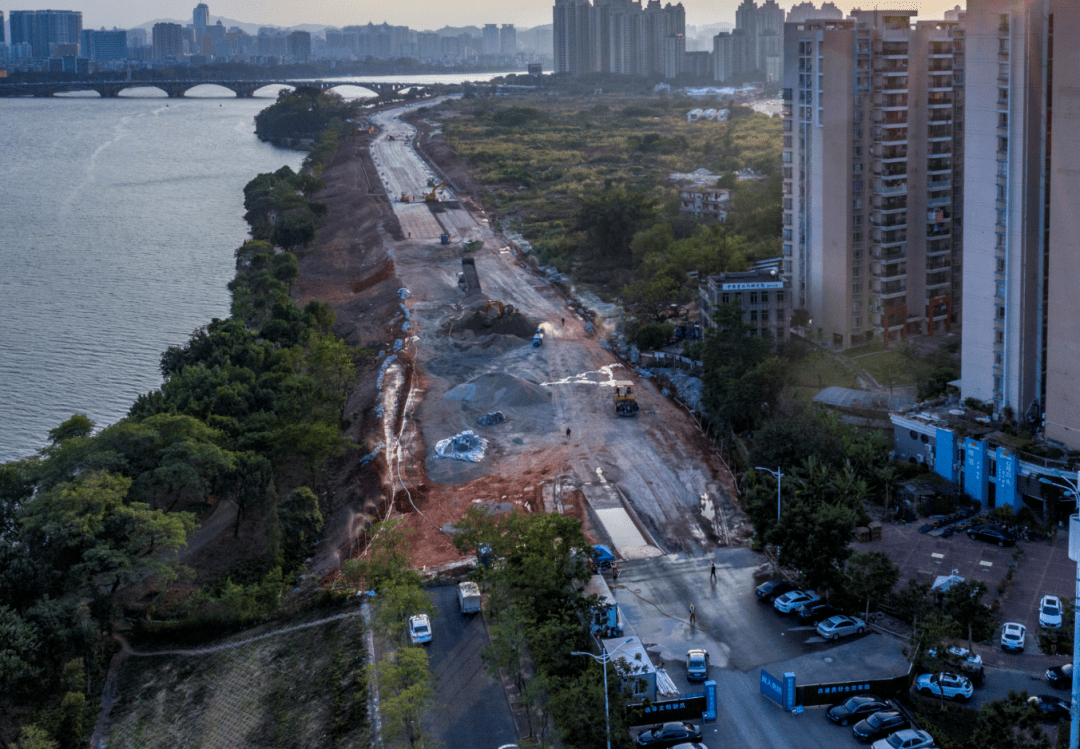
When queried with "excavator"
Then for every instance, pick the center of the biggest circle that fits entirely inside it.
(430, 197)
(625, 403)
(502, 310)
(405, 197)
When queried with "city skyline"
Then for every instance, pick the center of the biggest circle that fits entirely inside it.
(421, 16)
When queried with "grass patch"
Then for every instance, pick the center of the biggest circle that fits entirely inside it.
(818, 371)
(298, 689)
(894, 369)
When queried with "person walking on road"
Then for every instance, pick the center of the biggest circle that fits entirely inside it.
(568, 433)
(693, 615)
(712, 573)
(614, 572)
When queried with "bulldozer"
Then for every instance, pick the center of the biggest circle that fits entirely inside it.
(501, 310)
(430, 197)
(625, 404)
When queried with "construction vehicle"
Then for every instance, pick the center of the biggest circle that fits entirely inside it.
(430, 181)
(389, 137)
(430, 197)
(472, 244)
(467, 278)
(405, 197)
(502, 310)
(625, 403)
(444, 238)
(469, 597)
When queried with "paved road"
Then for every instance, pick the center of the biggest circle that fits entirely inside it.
(743, 636)
(470, 706)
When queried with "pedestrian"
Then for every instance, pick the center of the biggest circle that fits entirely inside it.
(563, 319)
(568, 433)
(614, 572)
(693, 615)
(712, 573)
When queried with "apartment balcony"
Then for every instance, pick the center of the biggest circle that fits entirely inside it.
(939, 184)
(939, 202)
(882, 189)
(943, 233)
(939, 103)
(938, 172)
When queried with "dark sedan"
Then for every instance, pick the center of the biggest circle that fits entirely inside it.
(1049, 708)
(816, 611)
(665, 735)
(769, 591)
(1060, 677)
(854, 709)
(992, 534)
(879, 725)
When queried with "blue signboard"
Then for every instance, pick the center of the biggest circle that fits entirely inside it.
(789, 690)
(772, 687)
(1006, 493)
(944, 452)
(975, 469)
(710, 702)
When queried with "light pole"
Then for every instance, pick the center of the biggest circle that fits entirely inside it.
(1072, 486)
(777, 475)
(603, 659)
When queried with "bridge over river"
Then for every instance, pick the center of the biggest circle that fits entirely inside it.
(244, 89)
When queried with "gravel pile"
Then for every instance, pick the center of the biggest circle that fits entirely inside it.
(516, 324)
(496, 391)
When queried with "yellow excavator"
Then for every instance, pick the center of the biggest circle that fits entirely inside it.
(501, 310)
(405, 197)
(625, 403)
(430, 197)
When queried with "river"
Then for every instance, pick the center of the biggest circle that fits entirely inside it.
(118, 222)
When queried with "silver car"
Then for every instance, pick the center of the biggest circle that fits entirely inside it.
(839, 626)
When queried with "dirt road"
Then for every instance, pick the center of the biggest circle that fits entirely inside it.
(650, 483)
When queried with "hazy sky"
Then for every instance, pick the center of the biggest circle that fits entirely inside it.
(417, 14)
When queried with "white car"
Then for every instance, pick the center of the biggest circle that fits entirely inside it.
(839, 626)
(908, 738)
(789, 602)
(1050, 612)
(949, 686)
(419, 629)
(1013, 635)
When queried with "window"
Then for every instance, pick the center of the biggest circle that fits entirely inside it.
(999, 312)
(725, 298)
(856, 288)
(999, 337)
(764, 315)
(780, 294)
(856, 219)
(753, 315)
(753, 297)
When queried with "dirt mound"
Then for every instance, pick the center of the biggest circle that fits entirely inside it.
(499, 390)
(516, 325)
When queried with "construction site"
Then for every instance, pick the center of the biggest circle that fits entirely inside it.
(494, 385)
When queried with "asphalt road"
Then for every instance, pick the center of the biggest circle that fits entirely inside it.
(470, 707)
(743, 636)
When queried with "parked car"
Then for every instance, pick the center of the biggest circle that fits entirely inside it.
(664, 735)
(909, 738)
(963, 660)
(1050, 708)
(879, 725)
(789, 602)
(1050, 612)
(836, 627)
(816, 611)
(419, 629)
(1060, 677)
(949, 686)
(855, 708)
(697, 665)
(991, 534)
(1013, 635)
(769, 591)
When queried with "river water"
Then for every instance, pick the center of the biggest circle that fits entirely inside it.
(118, 222)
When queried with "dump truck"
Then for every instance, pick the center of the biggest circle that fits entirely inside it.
(625, 403)
(468, 595)
(467, 278)
(606, 620)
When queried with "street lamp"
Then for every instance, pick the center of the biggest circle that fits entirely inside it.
(603, 659)
(777, 475)
(1072, 486)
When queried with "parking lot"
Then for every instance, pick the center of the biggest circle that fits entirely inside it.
(743, 636)
(1041, 568)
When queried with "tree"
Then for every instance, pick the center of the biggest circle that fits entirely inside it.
(285, 268)
(33, 737)
(405, 692)
(300, 522)
(1010, 723)
(963, 603)
(18, 647)
(654, 336)
(814, 540)
(294, 229)
(78, 425)
(871, 575)
(611, 218)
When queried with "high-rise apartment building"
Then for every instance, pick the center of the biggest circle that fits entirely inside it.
(508, 40)
(3, 38)
(168, 40)
(619, 36)
(42, 29)
(491, 39)
(1021, 298)
(200, 19)
(873, 174)
(106, 46)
